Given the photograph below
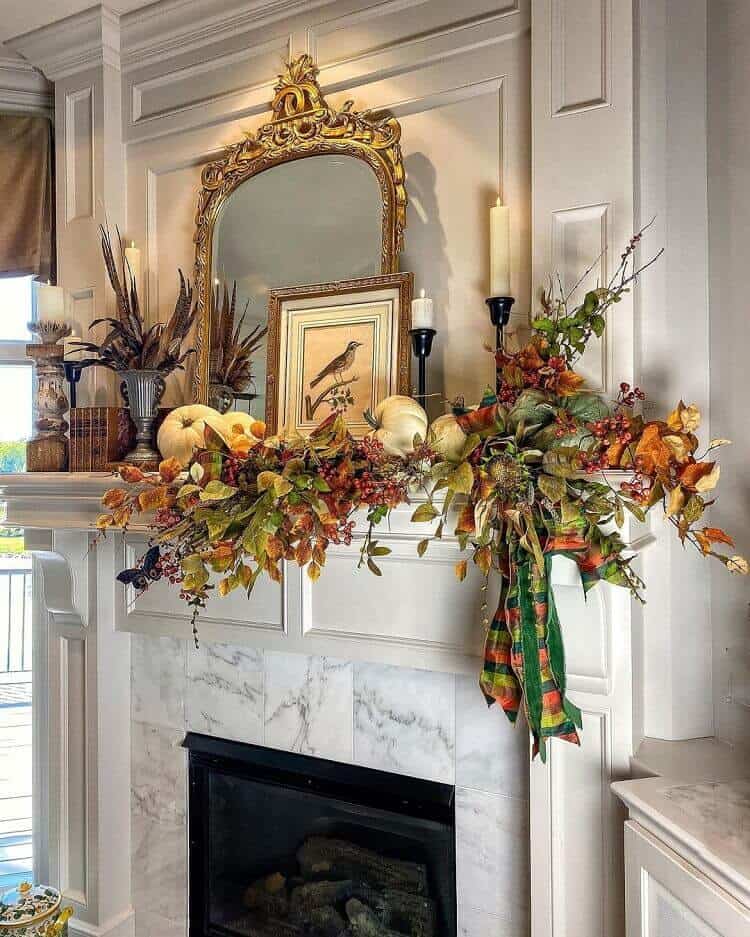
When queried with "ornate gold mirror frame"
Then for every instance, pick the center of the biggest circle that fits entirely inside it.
(302, 125)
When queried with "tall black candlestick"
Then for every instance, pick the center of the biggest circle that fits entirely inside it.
(73, 372)
(500, 307)
(421, 343)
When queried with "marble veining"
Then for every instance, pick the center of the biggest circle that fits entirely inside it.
(722, 806)
(157, 680)
(411, 722)
(492, 754)
(225, 692)
(308, 706)
(492, 855)
(404, 721)
(158, 773)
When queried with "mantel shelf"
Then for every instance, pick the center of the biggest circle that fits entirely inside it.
(54, 500)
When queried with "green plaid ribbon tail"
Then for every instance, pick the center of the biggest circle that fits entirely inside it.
(498, 680)
(524, 659)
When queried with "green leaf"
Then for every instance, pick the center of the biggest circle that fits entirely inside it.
(380, 551)
(563, 462)
(570, 511)
(470, 445)
(217, 491)
(590, 302)
(693, 510)
(619, 513)
(586, 407)
(422, 547)
(598, 324)
(636, 511)
(552, 487)
(461, 480)
(424, 513)
(216, 523)
(320, 484)
(374, 568)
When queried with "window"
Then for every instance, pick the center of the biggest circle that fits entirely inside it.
(16, 395)
(16, 373)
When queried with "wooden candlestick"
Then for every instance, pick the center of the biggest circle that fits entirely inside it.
(48, 450)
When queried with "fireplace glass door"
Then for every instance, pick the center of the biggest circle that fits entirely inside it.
(286, 845)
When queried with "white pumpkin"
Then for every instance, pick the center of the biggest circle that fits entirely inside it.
(236, 418)
(399, 419)
(183, 431)
(447, 438)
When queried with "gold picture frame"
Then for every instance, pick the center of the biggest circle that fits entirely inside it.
(337, 346)
(301, 124)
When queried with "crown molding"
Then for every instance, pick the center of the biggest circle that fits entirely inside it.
(85, 40)
(23, 88)
(175, 27)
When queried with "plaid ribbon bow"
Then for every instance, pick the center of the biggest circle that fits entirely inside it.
(524, 658)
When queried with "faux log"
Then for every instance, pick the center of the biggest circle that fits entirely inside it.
(365, 923)
(268, 895)
(403, 910)
(320, 857)
(260, 926)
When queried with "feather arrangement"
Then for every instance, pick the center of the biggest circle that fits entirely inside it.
(231, 354)
(129, 345)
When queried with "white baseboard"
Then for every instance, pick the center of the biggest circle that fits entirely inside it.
(122, 925)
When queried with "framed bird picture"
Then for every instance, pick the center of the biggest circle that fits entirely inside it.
(337, 347)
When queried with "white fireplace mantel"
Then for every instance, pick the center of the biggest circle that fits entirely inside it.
(417, 615)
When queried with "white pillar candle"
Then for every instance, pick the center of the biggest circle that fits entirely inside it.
(133, 257)
(422, 312)
(50, 304)
(500, 250)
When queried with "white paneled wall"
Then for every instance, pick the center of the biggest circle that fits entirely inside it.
(458, 84)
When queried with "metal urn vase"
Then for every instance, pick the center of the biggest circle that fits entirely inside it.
(142, 391)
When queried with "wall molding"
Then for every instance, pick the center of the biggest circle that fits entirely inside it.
(71, 45)
(183, 26)
(24, 89)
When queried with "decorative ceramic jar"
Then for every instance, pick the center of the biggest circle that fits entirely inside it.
(142, 391)
(33, 911)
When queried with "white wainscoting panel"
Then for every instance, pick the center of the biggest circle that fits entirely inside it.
(579, 54)
(80, 188)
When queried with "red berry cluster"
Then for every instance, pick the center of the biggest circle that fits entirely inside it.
(612, 429)
(639, 488)
(371, 490)
(595, 461)
(341, 534)
(230, 471)
(371, 449)
(628, 396)
(169, 568)
(166, 517)
(565, 424)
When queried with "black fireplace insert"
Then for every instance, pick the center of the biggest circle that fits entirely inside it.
(286, 845)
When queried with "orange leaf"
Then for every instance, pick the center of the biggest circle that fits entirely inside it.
(568, 383)
(313, 571)
(653, 453)
(717, 535)
(104, 521)
(169, 469)
(466, 523)
(131, 474)
(483, 559)
(114, 498)
(693, 472)
(258, 429)
(154, 498)
(460, 569)
(274, 548)
(303, 553)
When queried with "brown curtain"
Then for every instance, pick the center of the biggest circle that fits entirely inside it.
(26, 197)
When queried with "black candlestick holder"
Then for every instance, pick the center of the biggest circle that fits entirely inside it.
(73, 372)
(500, 307)
(421, 343)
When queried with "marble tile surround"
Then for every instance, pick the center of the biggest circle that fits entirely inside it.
(412, 722)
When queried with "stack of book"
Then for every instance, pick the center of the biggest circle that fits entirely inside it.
(99, 438)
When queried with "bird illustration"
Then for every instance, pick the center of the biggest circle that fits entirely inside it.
(339, 364)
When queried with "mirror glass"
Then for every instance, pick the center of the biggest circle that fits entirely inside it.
(312, 220)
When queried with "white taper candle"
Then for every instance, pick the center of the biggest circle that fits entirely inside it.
(500, 250)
